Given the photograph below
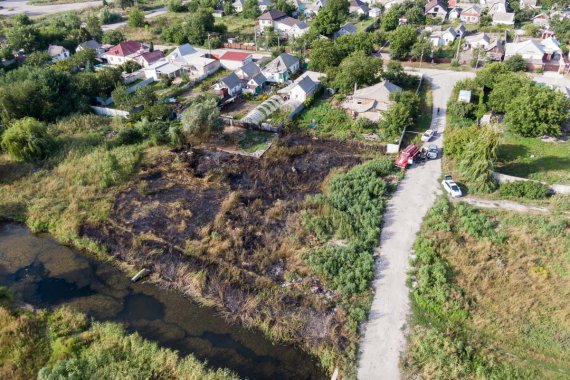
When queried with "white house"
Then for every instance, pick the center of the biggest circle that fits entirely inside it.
(370, 102)
(471, 14)
(290, 26)
(233, 60)
(238, 6)
(58, 53)
(264, 5)
(91, 44)
(542, 20)
(436, 8)
(528, 4)
(229, 86)
(148, 58)
(454, 14)
(248, 71)
(442, 38)
(358, 7)
(125, 51)
(504, 18)
(268, 19)
(544, 54)
(480, 40)
(495, 6)
(302, 90)
(281, 68)
(162, 69)
(196, 65)
(374, 12)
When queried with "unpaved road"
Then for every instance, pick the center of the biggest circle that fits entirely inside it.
(503, 205)
(14, 7)
(151, 14)
(383, 335)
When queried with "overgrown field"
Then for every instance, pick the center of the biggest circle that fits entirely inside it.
(283, 243)
(490, 296)
(65, 344)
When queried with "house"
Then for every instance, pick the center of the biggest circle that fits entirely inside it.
(542, 20)
(464, 96)
(314, 75)
(491, 118)
(125, 51)
(248, 71)
(374, 12)
(229, 86)
(528, 4)
(58, 53)
(504, 18)
(455, 13)
(264, 5)
(233, 60)
(436, 8)
(495, 51)
(148, 58)
(238, 5)
(442, 38)
(91, 44)
(348, 28)
(539, 54)
(255, 84)
(480, 40)
(303, 90)
(370, 102)
(471, 14)
(196, 65)
(402, 21)
(358, 7)
(162, 69)
(268, 19)
(460, 31)
(314, 8)
(291, 27)
(495, 6)
(280, 69)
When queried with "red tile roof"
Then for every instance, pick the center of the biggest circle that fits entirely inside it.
(235, 56)
(152, 56)
(126, 48)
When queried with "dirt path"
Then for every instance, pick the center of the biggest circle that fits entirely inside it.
(383, 336)
(503, 205)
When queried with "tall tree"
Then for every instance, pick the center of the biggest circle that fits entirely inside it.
(251, 9)
(330, 17)
(402, 40)
(27, 140)
(357, 69)
(201, 119)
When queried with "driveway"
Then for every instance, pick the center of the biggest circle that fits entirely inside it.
(13, 7)
(383, 336)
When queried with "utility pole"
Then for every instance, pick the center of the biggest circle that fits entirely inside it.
(457, 53)
(209, 45)
(421, 57)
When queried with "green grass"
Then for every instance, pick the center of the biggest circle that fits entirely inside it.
(237, 24)
(423, 122)
(489, 296)
(550, 164)
(254, 141)
(65, 344)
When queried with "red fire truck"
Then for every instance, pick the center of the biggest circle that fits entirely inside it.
(407, 156)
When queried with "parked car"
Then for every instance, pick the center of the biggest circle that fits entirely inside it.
(451, 187)
(407, 156)
(432, 152)
(428, 135)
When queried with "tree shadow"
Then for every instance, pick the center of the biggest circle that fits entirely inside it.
(542, 164)
(511, 152)
(12, 171)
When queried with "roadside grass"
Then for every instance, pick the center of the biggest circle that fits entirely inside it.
(423, 121)
(550, 162)
(489, 294)
(63, 344)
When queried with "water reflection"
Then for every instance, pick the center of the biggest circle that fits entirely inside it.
(46, 274)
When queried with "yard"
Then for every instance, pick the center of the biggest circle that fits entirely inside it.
(236, 24)
(533, 158)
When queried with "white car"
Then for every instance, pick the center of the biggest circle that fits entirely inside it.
(432, 152)
(428, 135)
(452, 188)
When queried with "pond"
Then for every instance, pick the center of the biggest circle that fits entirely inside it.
(45, 274)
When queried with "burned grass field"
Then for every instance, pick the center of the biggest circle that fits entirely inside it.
(230, 231)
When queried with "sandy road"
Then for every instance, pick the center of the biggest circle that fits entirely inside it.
(383, 336)
(12, 7)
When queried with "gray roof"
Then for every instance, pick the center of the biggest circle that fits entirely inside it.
(250, 69)
(91, 44)
(231, 80)
(283, 62)
(259, 79)
(54, 50)
(307, 85)
(349, 27)
(182, 50)
(273, 14)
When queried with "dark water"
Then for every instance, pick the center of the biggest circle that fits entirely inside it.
(45, 274)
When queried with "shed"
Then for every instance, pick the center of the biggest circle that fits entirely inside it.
(464, 96)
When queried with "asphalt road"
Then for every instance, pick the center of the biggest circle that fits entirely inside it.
(13, 7)
(383, 336)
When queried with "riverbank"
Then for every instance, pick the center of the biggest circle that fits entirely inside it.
(251, 237)
(64, 343)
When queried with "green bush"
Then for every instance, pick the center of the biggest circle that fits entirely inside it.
(524, 189)
(27, 140)
(475, 223)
